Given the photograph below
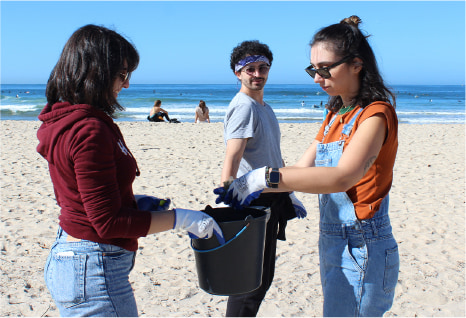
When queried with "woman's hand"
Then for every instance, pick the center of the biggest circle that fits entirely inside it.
(242, 191)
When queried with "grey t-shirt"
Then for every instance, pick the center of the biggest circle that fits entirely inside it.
(245, 118)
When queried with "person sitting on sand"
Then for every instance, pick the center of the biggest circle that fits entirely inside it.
(157, 113)
(202, 113)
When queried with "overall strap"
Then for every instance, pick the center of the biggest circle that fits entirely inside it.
(327, 128)
(346, 128)
(349, 126)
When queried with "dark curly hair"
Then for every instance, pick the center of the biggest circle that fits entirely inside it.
(90, 62)
(347, 40)
(248, 48)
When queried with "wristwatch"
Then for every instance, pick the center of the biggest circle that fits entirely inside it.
(272, 178)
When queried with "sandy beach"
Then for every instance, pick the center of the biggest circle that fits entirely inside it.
(183, 162)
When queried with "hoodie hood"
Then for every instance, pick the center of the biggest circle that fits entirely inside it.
(60, 117)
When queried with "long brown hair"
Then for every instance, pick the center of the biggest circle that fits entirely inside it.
(88, 66)
(348, 40)
(202, 106)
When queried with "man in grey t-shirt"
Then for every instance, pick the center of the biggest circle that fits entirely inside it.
(252, 138)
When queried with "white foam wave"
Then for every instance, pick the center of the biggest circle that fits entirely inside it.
(18, 108)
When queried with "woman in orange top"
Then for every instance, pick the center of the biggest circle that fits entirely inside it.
(350, 166)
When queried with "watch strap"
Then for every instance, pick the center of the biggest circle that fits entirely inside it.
(275, 170)
(267, 176)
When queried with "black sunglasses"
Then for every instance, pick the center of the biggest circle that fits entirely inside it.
(324, 72)
(125, 76)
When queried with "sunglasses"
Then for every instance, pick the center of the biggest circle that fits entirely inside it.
(125, 76)
(251, 70)
(324, 72)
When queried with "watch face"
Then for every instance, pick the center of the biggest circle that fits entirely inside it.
(274, 177)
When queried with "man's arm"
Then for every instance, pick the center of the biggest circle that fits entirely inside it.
(234, 153)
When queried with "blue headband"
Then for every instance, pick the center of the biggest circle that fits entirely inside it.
(251, 59)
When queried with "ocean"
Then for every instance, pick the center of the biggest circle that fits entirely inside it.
(416, 104)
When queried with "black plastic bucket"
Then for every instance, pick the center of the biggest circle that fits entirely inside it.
(236, 266)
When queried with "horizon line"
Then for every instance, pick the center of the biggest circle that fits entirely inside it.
(463, 84)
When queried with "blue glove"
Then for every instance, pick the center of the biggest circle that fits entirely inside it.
(148, 203)
(244, 190)
(299, 208)
(198, 224)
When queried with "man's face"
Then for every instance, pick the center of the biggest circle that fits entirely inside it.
(254, 75)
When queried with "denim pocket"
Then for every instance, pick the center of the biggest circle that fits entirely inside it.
(327, 162)
(392, 265)
(356, 250)
(118, 261)
(323, 199)
(66, 275)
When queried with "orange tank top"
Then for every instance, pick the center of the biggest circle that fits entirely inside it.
(368, 193)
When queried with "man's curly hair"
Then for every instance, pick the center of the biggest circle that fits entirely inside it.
(248, 48)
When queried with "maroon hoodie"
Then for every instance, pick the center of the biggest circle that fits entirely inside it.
(92, 172)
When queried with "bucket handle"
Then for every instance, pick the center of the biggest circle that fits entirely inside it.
(248, 218)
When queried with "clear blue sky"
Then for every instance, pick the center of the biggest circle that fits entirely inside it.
(418, 42)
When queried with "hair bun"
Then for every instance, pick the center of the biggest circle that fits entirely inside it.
(353, 20)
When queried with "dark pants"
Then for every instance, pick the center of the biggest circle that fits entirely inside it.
(158, 117)
(247, 305)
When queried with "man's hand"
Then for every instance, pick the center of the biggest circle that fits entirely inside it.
(299, 208)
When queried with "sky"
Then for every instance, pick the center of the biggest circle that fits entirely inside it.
(190, 42)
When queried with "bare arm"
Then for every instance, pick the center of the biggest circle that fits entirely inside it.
(356, 160)
(233, 155)
(161, 221)
(309, 156)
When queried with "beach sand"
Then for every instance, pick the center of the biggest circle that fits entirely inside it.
(183, 162)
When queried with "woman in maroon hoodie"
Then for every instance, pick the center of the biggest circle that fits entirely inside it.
(92, 172)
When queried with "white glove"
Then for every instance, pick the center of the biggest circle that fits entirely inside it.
(299, 208)
(243, 190)
(198, 224)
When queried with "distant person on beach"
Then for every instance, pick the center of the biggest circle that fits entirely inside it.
(252, 138)
(157, 113)
(201, 113)
(350, 165)
(92, 171)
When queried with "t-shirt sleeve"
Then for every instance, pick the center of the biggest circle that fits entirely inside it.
(387, 111)
(239, 123)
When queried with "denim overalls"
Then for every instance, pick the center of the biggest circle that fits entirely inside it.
(359, 259)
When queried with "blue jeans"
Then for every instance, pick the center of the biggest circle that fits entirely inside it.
(90, 279)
